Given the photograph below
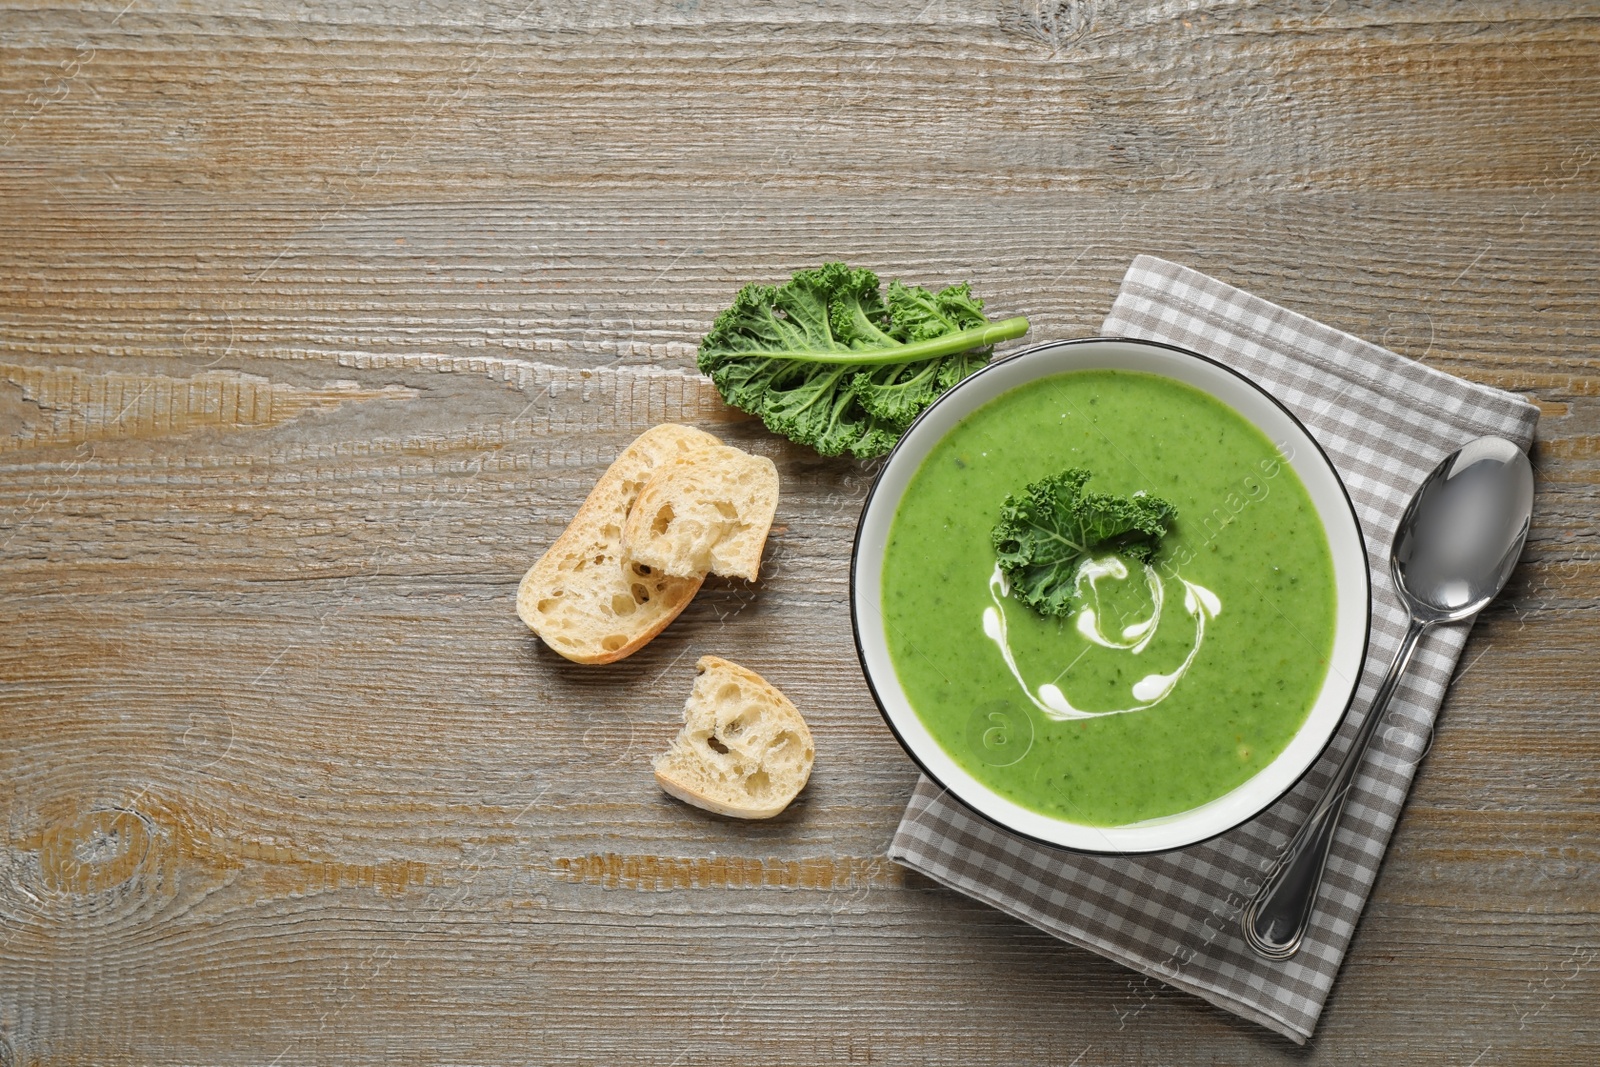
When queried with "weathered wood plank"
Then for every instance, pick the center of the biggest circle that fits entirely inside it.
(315, 325)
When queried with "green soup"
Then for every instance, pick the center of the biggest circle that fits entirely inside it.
(1190, 675)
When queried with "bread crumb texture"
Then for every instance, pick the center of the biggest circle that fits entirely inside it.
(706, 511)
(744, 750)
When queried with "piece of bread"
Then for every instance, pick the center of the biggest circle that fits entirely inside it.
(743, 751)
(584, 598)
(709, 511)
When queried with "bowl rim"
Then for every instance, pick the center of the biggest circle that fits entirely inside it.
(922, 766)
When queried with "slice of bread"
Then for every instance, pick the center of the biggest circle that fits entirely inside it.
(584, 598)
(743, 751)
(707, 512)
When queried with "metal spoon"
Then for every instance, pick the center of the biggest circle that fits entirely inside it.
(1456, 545)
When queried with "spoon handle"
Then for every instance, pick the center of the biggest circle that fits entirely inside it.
(1276, 919)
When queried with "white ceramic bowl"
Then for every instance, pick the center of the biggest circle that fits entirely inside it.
(1309, 462)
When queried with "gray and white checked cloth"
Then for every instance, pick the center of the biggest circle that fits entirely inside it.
(1386, 422)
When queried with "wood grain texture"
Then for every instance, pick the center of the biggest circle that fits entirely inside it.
(317, 322)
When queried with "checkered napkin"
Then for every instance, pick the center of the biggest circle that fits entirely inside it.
(1386, 422)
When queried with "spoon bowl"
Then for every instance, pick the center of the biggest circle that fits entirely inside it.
(1463, 530)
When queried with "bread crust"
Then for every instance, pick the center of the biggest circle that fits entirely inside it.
(716, 807)
(583, 597)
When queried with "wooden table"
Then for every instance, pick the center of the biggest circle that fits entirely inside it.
(316, 325)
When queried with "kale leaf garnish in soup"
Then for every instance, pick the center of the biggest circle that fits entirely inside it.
(1047, 533)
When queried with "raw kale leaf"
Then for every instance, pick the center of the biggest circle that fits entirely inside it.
(826, 360)
(1044, 534)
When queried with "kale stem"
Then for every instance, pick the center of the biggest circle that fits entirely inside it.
(948, 345)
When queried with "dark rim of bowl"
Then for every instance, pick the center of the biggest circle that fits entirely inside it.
(855, 614)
